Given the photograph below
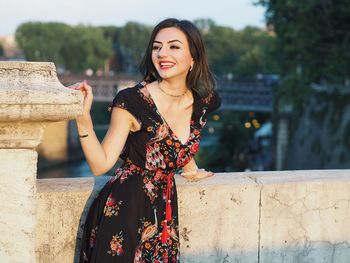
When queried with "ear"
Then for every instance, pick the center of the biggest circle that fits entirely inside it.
(192, 63)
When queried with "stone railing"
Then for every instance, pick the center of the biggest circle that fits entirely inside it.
(299, 216)
(270, 217)
(30, 97)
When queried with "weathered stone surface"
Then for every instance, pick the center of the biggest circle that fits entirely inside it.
(30, 91)
(17, 195)
(21, 135)
(305, 216)
(62, 207)
(265, 217)
(30, 97)
(219, 219)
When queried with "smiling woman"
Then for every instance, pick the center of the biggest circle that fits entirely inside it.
(155, 128)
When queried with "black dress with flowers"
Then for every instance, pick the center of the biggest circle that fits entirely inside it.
(135, 216)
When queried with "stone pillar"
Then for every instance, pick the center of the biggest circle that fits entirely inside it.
(30, 97)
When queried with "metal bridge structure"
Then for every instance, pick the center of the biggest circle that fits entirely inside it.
(246, 96)
(253, 96)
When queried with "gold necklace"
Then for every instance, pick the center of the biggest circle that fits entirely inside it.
(171, 95)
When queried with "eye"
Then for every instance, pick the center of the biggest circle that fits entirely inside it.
(174, 47)
(156, 47)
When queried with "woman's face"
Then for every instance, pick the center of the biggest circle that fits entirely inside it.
(171, 53)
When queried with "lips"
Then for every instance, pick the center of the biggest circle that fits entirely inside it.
(166, 64)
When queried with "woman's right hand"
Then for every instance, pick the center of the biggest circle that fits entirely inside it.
(86, 89)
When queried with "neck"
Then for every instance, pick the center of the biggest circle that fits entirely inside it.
(173, 87)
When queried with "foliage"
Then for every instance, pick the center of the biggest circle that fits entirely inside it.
(86, 47)
(76, 48)
(132, 40)
(42, 41)
(314, 45)
(259, 54)
(241, 53)
(313, 36)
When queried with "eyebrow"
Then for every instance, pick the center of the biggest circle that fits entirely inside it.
(171, 41)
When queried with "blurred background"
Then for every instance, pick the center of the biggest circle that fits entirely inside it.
(282, 71)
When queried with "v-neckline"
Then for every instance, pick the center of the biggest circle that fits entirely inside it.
(166, 123)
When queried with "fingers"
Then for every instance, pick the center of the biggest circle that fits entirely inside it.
(76, 86)
(87, 87)
(202, 174)
(84, 86)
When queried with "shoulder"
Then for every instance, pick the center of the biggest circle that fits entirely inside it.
(130, 91)
(127, 98)
(212, 101)
(129, 94)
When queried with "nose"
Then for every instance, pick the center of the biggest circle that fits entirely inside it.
(161, 52)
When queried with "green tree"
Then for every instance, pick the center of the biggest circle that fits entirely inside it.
(77, 48)
(314, 44)
(42, 41)
(113, 33)
(244, 53)
(86, 47)
(204, 25)
(133, 39)
(221, 49)
(314, 37)
(257, 52)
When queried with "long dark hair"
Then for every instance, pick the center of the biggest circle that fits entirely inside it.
(199, 79)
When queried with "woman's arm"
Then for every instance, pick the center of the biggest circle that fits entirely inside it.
(102, 157)
(192, 173)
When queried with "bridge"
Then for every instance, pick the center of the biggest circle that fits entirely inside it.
(238, 96)
(246, 96)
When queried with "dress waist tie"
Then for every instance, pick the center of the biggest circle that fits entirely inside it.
(165, 232)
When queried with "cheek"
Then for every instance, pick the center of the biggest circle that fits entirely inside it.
(185, 58)
(185, 61)
(154, 59)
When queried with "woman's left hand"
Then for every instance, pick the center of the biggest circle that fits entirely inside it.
(199, 175)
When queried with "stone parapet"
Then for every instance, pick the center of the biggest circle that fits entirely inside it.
(291, 216)
(30, 97)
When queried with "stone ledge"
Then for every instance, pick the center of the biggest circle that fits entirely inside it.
(260, 178)
(289, 216)
(31, 91)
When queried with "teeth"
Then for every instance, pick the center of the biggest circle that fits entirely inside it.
(167, 64)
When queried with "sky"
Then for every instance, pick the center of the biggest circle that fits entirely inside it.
(233, 13)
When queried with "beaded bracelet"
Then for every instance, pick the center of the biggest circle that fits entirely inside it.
(83, 136)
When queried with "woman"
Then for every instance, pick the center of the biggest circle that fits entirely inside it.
(155, 128)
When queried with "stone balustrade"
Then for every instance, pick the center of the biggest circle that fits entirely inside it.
(269, 217)
(30, 97)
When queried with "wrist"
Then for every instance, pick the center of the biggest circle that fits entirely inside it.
(84, 121)
(83, 118)
(190, 172)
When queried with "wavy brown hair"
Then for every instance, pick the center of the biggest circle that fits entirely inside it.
(199, 79)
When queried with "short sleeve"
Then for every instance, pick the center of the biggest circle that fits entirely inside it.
(212, 102)
(126, 99)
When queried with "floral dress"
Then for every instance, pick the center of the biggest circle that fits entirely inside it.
(134, 218)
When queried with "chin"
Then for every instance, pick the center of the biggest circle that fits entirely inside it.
(169, 75)
(165, 76)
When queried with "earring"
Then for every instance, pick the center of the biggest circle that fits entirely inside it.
(191, 67)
